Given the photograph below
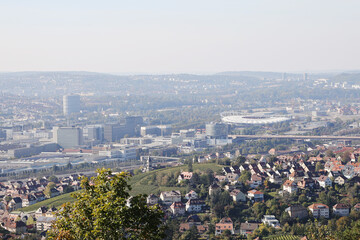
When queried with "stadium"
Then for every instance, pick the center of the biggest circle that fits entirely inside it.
(259, 118)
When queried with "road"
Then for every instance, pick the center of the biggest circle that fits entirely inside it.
(296, 137)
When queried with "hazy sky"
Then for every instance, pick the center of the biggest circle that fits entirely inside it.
(152, 36)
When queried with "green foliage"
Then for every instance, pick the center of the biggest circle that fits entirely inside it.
(245, 176)
(262, 231)
(192, 234)
(219, 200)
(53, 179)
(48, 188)
(101, 212)
(7, 198)
(190, 165)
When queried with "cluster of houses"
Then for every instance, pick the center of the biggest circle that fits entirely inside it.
(26, 193)
(302, 174)
(21, 223)
(172, 202)
(291, 172)
(19, 194)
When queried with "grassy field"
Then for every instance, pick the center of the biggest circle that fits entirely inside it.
(138, 183)
(56, 201)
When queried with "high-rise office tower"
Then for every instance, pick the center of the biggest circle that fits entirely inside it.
(305, 76)
(71, 104)
(216, 130)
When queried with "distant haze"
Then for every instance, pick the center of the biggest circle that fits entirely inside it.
(179, 36)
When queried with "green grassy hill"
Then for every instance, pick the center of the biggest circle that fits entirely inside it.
(55, 201)
(141, 184)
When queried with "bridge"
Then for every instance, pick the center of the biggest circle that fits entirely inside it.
(296, 137)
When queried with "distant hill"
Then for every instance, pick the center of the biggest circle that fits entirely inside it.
(350, 78)
(61, 83)
(259, 75)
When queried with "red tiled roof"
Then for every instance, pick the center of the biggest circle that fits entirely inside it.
(317, 206)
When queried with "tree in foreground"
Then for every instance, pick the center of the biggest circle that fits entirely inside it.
(103, 210)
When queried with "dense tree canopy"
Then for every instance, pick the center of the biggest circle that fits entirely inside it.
(104, 210)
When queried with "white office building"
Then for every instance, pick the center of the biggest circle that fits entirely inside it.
(68, 137)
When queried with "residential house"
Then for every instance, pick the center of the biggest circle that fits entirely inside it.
(271, 221)
(324, 181)
(44, 223)
(289, 186)
(274, 178)
(40, 196)
(248, 228)
(220, 178)
(333, 174)
(15, 203)
(225, 224)
(255, 181)
(296, 176)
(152, 199)
(28, 200)
(193, 220)
(170, 197)
(194, 205)
(341, 210)
(191, 195)
(41, 212)
(255, 195)
(13, 226)
(185, 176)
(235, 169)
(226, 170)
(319, 210)
(297, 211)
(213, 187)
(340, 180)
(237, 195)
(254, 169)
(308, 167)
(51, 212)
(244, 167)
(177, 208)
(357, 207)
(232, 177)
(306, 183)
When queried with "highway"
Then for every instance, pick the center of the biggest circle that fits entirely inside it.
(295, 137)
